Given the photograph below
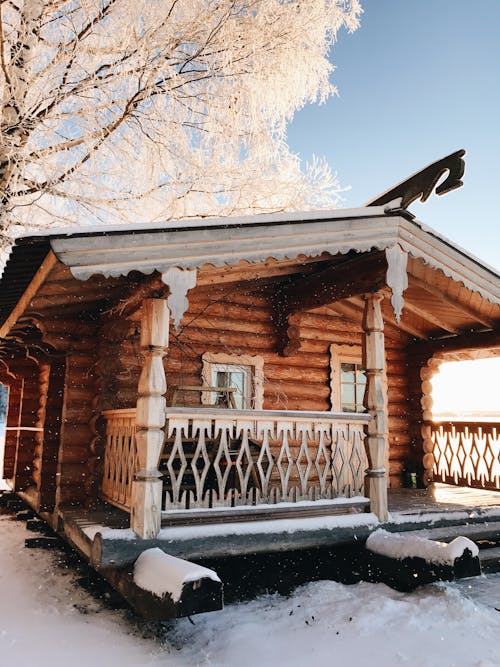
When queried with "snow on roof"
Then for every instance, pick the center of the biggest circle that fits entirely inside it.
(191, 223)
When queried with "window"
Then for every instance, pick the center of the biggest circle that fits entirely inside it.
(348, 379)
(243, 373)
(352, 387)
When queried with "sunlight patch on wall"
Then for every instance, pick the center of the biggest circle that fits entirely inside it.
(467, 390)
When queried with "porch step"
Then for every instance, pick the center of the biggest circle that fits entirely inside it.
(487, 530)
(256, 513)
(490, 559)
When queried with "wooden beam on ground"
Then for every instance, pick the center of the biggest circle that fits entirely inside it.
(224, 540)
(197, 596)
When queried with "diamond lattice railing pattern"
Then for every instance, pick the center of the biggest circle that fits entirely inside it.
(217, 458)
(467, 453)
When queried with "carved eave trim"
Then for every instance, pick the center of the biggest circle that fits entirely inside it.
(179, 281)
(437, 252)
(120, 253)
(397, 277)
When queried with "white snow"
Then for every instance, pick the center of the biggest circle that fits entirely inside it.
(48, 621)
(400, 545)
(160, 573)
(251, 527)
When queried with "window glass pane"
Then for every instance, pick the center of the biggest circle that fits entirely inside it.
(222, 379)
(348, 395)
(347, 372)
(360, 377)
(238, 383)
(353, 385)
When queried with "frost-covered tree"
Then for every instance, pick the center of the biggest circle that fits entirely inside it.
(151, 109)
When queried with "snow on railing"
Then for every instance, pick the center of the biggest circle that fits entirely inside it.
(214, 458)
(466, 453)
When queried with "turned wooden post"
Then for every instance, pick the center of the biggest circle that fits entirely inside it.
(145, 518)
(376, 403)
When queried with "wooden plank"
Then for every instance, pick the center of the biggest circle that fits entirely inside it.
(278, 511)
(458, 305)
(197, 597)
(116, 552)
(344, 279)
(45, 268)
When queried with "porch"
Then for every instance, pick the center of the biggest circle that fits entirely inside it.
(439, 512)
(231, 463)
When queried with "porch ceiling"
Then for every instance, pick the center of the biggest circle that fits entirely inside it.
(435, 306)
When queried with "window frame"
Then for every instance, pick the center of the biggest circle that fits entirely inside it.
(341, 354)
(214, 361)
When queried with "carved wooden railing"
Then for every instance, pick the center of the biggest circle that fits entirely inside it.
(120, 457)
(466, 453)
(214, 458)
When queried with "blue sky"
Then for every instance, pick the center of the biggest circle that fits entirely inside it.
(418, 80)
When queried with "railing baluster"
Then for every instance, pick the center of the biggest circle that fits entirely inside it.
(466, 453)
(235, 458)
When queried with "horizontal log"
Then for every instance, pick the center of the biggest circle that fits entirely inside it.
(308, 333)
(302, 360)
(107, 551)
(231, 340)
(228, 324)
(76, 434)
(294, 374)
(78, 413)
(271, 403)
(74, 495)
(222, 309)
(69, 327)
(297, 391)
(245, 293)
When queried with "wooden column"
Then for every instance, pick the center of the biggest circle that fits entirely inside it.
(145, 517)
(376, 403)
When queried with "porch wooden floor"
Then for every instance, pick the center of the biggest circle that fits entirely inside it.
(442, 498)
(441, 507)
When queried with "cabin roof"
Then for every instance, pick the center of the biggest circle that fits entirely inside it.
(117, 250)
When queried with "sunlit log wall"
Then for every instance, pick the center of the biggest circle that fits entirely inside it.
(235, 321)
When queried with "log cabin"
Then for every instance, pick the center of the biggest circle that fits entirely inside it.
(269, 373)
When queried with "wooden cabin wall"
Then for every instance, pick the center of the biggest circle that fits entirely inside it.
(77, 459)
(22, 376)
(417, 360)
(52, 403)
(234, 321)
(15, 387)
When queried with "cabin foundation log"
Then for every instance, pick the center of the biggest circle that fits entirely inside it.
(376, 404)
(145, 518)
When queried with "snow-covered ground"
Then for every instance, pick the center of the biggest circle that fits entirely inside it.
(47, 620)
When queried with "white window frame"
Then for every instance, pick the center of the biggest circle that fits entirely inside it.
(341, 354)
(219, 361)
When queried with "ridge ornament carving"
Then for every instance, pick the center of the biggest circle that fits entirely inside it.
(421, 184)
